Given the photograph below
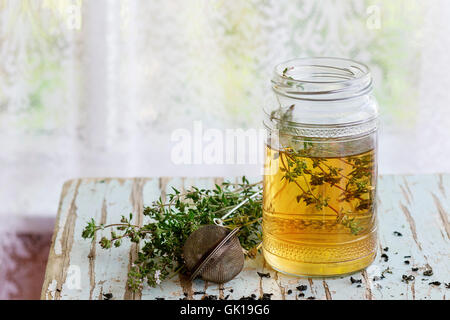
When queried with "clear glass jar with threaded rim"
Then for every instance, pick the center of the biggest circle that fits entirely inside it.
(319, 200)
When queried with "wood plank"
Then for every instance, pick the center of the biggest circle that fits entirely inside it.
(52, 282)
(82, 263)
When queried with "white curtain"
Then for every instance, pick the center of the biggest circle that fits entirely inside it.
(95, 88)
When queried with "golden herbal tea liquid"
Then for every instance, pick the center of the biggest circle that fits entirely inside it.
(319, 210)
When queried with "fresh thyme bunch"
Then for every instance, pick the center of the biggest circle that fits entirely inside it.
(170, 224)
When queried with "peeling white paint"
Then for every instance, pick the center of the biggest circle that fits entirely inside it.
(52, 288)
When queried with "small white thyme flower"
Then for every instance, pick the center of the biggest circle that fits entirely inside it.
(157, 274)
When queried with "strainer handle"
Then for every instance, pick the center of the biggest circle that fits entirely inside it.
(219, 221)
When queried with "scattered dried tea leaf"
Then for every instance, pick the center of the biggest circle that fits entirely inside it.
(428, 273)
(302, 288)
(387, 270)
(353, 280)
(263, 275)
(107, 296)
(266, 296)
(407, 279)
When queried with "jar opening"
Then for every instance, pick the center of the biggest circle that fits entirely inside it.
(322, 98)
(322, 79)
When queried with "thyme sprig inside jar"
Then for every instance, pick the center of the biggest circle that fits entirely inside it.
(319, 209)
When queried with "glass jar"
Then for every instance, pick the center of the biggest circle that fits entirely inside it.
(319, 201)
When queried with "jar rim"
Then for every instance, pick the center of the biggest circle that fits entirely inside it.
(353, 63)
(322, 79)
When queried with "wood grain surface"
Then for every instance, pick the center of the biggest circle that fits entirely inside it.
(416, 206)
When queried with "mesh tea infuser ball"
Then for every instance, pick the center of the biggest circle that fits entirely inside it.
(214, 253)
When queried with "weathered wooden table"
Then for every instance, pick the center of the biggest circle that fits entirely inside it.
(417, 207)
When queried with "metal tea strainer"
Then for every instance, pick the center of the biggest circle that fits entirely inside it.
(214, 252)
